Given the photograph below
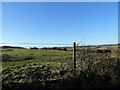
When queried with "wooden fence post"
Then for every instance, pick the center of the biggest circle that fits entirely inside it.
(74, 57)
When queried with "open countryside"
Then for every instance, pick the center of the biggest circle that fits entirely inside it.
(47, 68)
(76, 46)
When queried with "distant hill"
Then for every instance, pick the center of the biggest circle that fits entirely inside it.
(12, 47)
(18, 47)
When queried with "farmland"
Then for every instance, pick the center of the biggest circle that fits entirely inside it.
(19, 56)
(97, 67)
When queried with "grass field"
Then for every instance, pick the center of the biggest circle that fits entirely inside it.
(54, 68)
(53, 57)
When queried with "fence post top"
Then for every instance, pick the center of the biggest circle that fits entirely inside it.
(74, 42)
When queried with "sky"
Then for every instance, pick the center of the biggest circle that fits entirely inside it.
(0, 21)
(60, 22)
(60, 0)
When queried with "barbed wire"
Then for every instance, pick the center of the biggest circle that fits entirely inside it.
(40, 45)
(35, 44)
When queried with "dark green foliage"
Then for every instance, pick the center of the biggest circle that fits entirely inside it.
(46, 77)
(96, 69)
(7, 50)
(15, 47)
(107, 51)
(34, 48)
(103, 51)
(38, 76)
(28, 58)
(99, 51)
(6, 57)
(54, 48)
(117, 71)
(65, 49)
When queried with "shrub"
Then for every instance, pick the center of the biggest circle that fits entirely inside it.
(6, 57)
(99, 51)
(28, 58)
(107, 51)
(31, 54)
(7, 50)
(65, 49)
(54, 48)
(33, 48)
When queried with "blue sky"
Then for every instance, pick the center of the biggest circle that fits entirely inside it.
(88, 23)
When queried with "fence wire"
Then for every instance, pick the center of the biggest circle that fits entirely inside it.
(40, 45)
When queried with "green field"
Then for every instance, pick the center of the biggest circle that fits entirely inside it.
(54, 68)
(54, 57)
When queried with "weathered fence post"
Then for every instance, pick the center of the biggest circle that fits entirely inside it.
(74, 57)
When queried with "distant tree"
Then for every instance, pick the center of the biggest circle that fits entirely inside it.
(54, 48)
(65, 49)
(33, 48)
(12, 47)
(59, 49)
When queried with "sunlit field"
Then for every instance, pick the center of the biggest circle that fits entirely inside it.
(97, 67)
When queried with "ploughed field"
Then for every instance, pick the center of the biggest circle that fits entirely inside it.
(97, 67)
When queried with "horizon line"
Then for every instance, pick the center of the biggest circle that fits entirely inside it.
(55, 45)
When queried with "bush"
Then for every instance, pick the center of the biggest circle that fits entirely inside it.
(6, 57)
(34, 48)
(28, 58)
(65, 49)
(7, 50)
(107, 51)
(99, 51)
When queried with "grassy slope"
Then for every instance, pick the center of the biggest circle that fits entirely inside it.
(54, 57)
(99, 64)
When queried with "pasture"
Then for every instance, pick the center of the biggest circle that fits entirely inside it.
(38, 68)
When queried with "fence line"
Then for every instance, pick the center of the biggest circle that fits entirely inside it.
(35, 43)
(49, 44)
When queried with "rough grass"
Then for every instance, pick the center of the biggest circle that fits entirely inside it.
(54, 68)
(40, 56)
